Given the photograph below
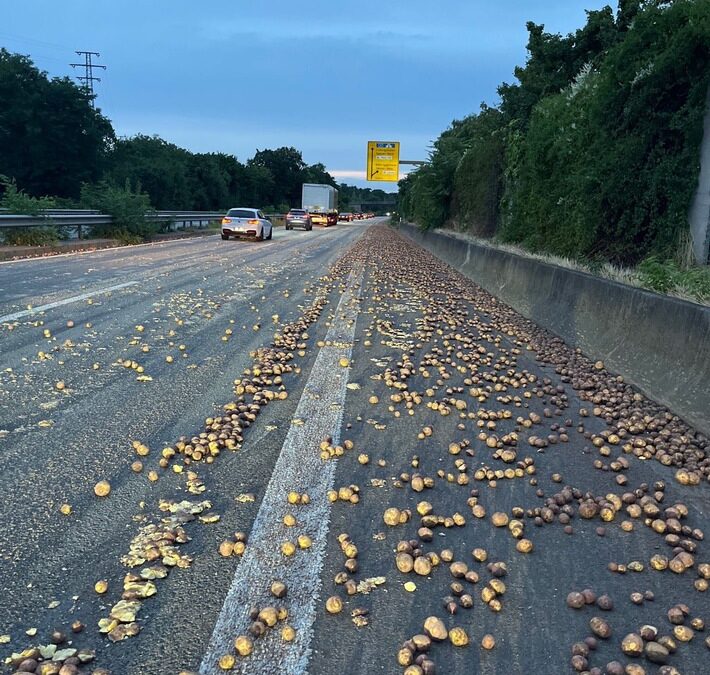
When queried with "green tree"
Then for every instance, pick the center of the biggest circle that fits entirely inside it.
(478, 180)
(287, 167)
(18, 201)
(594, 152)
(316, 173)
(127, 206)
(554, 61)
(609, 165)
(51, 138)
(160, 169)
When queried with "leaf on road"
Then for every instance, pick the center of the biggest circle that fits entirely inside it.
(367, 585)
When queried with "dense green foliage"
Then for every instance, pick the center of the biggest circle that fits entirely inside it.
(54, 142)
(18, 201)
(128, 208)
(31, 236)
(51, 139)
(666, 275)
(593, 153)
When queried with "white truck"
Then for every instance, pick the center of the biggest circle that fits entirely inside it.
(321, 201)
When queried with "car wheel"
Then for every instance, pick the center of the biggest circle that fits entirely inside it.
(225, 236)
(271, 233)
(309, 228)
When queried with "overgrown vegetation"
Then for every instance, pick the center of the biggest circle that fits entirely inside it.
(666, 276)
(31, 236)
(128, 208)
(18, 202)
(52, 141)
(593, 153)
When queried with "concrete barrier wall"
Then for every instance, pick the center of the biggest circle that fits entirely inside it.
(658, 343)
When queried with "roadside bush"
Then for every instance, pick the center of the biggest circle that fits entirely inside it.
(31, 236)
(128, 208)
(666, 276)
(19, 202)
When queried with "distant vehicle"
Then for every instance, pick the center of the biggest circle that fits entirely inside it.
(347, 217)
(298, 218)
(321, 202)
(246, 222)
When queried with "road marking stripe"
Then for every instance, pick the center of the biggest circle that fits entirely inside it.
(67, 301)
(299, 468)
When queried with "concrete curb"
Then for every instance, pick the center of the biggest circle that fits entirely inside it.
(658, 343)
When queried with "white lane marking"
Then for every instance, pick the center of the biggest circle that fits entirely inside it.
(299, 468)
(66, 301)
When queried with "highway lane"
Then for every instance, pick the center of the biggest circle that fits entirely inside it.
(40, 279)
(431, 360)
(55, 444)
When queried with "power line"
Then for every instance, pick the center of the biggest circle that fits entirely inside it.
(88, 78)
(25, 49)
(43, 43)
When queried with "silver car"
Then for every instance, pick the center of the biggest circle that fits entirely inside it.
(298, 218)
(245, 222)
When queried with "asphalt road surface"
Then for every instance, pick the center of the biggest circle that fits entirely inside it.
(328, 410)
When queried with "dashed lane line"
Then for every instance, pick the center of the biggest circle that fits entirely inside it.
(300, 468)
(66, 301)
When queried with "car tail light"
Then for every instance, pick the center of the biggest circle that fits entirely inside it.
(254, 221)
(226, 221)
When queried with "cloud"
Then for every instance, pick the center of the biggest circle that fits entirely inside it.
(370, 33)
(346, 173)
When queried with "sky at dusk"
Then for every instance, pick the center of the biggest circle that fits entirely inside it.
(323, 76)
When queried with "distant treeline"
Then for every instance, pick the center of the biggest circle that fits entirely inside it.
(53, 143)
(594, 152)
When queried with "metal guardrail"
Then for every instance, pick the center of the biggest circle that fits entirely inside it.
(67, 212)
(80, 218)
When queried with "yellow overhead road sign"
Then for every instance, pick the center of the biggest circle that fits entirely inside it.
(383, 160)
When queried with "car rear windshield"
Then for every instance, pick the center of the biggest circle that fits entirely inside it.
(298, 212)
(240, 213)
